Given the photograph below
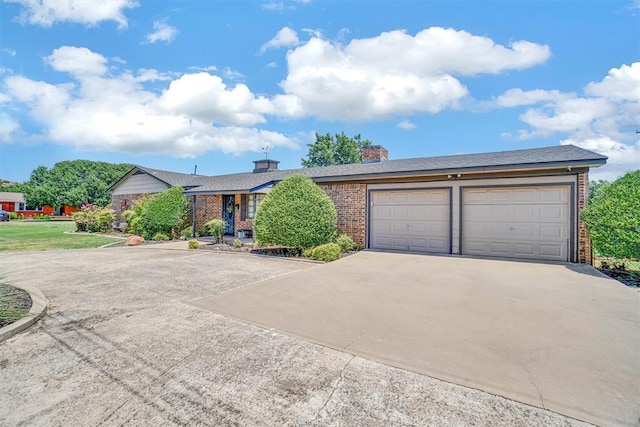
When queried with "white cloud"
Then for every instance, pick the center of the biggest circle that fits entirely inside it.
(8, 126)
(406, 125)
(195, 113)
(518, 97)
(604, 120)
(78, 61)
(10, 52)
(272, 64)
(207, 98)
(621, 84)
(393, 73)
(277, 6)
(163, 32)
(232, 74)
(88, 12)
(286, 37)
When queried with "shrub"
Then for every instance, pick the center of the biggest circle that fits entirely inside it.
(133, 215)
(13, 215)
(194, 244)
(160, 237)
(238, 243)
(297, 213)
(307, 252)
(93, 218)
(345, 242)
(613, 217)
(165, 213)
(187, 233)
(327, 252)
(41, 217)
(215, 227)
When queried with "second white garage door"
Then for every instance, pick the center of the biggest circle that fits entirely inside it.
(410, 220)
(517, 222)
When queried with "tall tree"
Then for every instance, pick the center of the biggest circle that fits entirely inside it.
(613, 217)
(73, 183)
(336, 149)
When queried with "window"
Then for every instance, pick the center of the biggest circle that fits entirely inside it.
(20, 206)
(252, 204)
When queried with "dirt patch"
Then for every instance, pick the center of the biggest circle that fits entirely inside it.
(14, 304)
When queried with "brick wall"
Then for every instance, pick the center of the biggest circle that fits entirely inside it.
(351, 203)
(208, 206)
(239, 224)
(122, 202)
(584, 242)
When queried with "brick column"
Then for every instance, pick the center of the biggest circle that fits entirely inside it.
(208, 206)
(584, 242)
(351, 205)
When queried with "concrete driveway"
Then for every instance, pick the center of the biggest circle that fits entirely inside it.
(126, 341)
(560, 337)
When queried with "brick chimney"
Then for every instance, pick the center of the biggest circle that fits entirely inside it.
(265, 165)
(374, 154)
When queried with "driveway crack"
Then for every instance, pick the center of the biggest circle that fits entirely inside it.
(335, 387)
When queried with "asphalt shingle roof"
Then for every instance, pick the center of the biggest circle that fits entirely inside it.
(560, 155)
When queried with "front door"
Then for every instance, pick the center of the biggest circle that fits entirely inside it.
(228, 208)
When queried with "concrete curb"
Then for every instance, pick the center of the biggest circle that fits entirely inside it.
(38, 309)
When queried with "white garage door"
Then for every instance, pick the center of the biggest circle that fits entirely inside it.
(517, 222)
(410, 220)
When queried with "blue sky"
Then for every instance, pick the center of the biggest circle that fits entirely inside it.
(172, 84)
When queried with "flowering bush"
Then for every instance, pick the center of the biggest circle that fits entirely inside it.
(93, 218)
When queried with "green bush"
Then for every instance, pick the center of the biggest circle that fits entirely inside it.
(187, 233)
(238, 243)
(307, 252)
(133, 215)
(193, 244)
(93, 218)
(41, 217)
(345, 242)
(215, 227)
(327, 252)
(613, 218)
(165, 213)
(13, 215)
(160, 237)
(296, 213)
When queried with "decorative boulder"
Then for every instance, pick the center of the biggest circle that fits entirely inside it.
(134, 240)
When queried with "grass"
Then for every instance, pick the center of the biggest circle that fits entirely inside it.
(42, 236)
(14, 304)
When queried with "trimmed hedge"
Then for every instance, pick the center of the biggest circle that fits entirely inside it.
(296, 213)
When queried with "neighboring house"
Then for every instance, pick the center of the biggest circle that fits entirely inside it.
(15, 202)
(511, 204)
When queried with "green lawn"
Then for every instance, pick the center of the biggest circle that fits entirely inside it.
(41, 236)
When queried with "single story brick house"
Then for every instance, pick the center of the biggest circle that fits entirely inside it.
(512, 204)
(15, 202)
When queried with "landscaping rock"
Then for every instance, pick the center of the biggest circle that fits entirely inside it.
(134, 240)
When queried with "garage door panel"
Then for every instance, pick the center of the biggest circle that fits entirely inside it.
(415, 220)
(531, 222)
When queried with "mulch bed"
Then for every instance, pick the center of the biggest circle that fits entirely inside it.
(622, 276)
(14, 304)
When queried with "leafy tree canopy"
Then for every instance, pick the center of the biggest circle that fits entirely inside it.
(595, 186)
(336, 149)
(613, 217)
(73, 183)
(11, 187)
